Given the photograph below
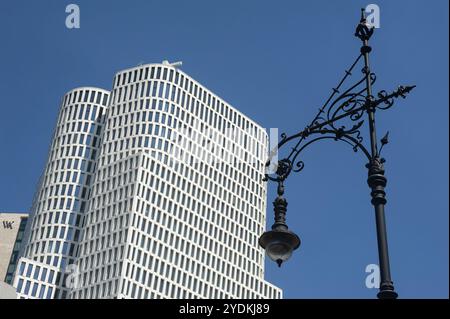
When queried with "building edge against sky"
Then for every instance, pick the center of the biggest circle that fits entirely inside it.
(135, 223)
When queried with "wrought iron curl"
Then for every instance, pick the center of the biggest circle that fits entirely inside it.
(340, 119)
(329, 122)
(386, 101)
(299, 166)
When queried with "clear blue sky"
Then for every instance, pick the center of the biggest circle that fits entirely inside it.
(276, 61)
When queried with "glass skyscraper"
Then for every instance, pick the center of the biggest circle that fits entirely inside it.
(152, 190)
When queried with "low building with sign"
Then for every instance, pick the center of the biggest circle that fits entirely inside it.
(12, 228)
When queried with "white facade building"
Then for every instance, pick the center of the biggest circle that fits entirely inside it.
(58, 207)
(175, 201)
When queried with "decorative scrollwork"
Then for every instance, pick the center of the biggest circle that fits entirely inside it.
(348, 104)
(385, 100)
(284, 168)
(341, 116)
(363, 31)
(299, 166)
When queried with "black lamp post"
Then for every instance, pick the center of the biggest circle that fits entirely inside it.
(343, 104)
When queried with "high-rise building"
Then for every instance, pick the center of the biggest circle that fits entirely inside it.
(62, 195)
(12, 228)
(171, 206)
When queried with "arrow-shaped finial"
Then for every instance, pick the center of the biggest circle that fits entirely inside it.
(363, 14)
(405, 90)
(385, 139)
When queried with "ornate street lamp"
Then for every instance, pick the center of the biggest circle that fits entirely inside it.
(343, 104)
(279, 242)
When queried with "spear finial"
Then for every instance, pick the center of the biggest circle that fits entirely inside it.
(363, 14)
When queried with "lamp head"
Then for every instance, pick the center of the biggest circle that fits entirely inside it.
(279, 244)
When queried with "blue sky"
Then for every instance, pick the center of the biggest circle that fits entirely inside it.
(276, 61)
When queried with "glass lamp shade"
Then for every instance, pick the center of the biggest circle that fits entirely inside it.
(279, 244)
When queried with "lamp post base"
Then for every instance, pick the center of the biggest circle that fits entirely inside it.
(387, 294)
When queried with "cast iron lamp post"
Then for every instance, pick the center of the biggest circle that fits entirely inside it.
(350, 104)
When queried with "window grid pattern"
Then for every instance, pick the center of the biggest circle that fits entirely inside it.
(137, 222)
(189, 230)
(35, 280)
(64, 188)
